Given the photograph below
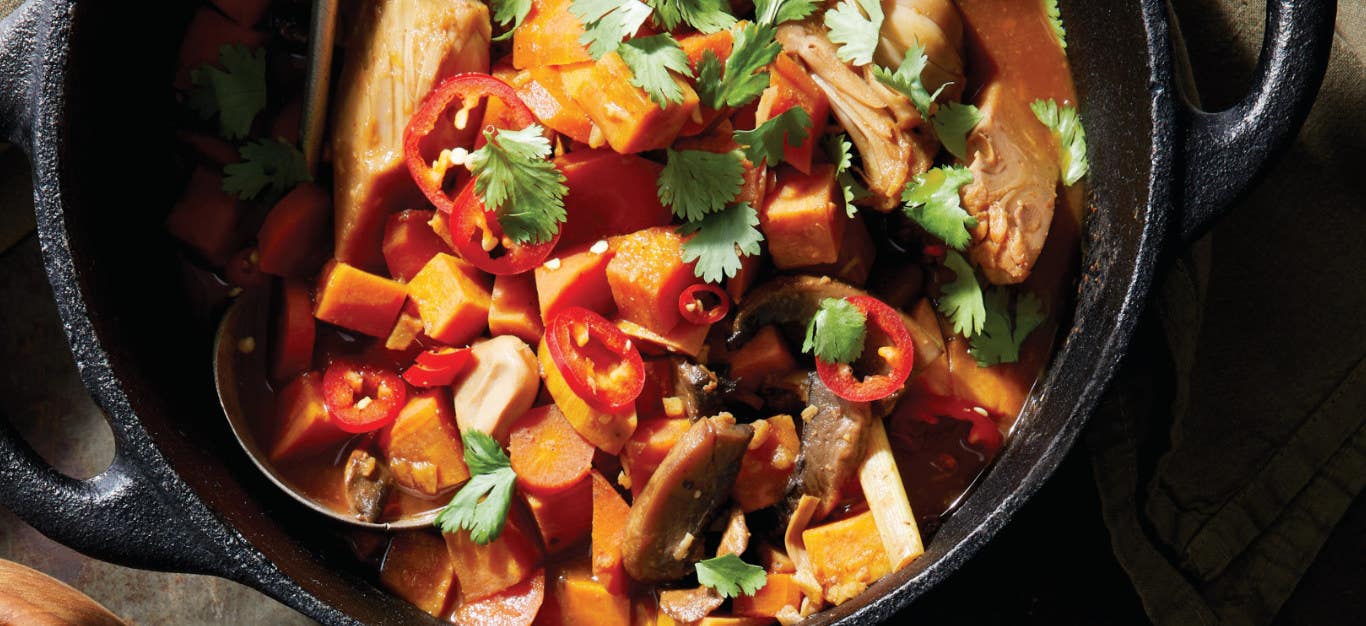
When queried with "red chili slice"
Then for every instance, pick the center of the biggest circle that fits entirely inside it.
(694, 308)
(437, 367)
(899, 356)
(361, 397)
(477, 238)
(461, 91)
(597, 360)
(929, 408)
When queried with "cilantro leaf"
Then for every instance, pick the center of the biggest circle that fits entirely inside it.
(509, 12)
(961, 300)
(650, 59)
(720, 239)
(932, 201)
(841, 153)
(854, 26)
(237, 92)
(607, 22)
(730, 576)
(742, 80)
(906, 79)
(1066, 126)
(697, 182)
(1050, 9)
(1002, 335)
(765, 143)
(775, 12)
(516, 180)
(836, 332)
(267, 164)
(708, 16)
(481, 506)
(952, 123)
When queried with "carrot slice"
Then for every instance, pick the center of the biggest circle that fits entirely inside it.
(510, 559)
(547, 453)
(515, 606)
(303, 424)
(296, 233)
(564, 518)
(295, 332)
(410, 242)
(609, 530)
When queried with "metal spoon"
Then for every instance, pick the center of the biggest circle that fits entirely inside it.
(239, 372)
(239, 363)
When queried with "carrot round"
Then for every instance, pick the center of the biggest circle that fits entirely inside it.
(548, 455)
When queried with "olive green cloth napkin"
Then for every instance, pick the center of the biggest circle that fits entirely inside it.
(1221, 478)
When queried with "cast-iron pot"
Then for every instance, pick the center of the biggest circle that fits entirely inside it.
(84, 89)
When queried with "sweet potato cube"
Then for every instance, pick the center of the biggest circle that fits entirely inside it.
(856, 255)
(609, 531)
(485, 570)
(577, 277)
(514, 309)
(423, 445)
(206, 218)
(565, 517)
(647, 274)
(302, 424)
(801, 221)
(517, 605)
(548, 36)
(410, 242)
(768, 463)
(295, 235)
(584, 601)
(542, 90)
(765, 356)
(647, 447)
(295, 331)
(846, 556)
(453, 306)
(358, 300)
(417, 568)
(790, 86)
(629, 120)
(609, 194)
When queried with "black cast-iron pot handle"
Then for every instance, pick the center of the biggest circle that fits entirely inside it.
(1222, 152)
(121, 514)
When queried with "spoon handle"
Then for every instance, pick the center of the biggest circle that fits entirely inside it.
(321, 42)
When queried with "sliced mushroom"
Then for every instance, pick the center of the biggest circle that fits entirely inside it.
(367, 482)
(689, 605)
(697, 387)
(735, 536)
(500, 387)
(664, 528)
(834, 434)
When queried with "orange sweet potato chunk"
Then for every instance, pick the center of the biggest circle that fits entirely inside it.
(294, 237)
(423, 445)
(485, 570)
(542, 90)
(514, 309)
(410, 242)
(417, 568)
(766, 355)
(609, 531)
(629, 120)
(648, 446)
(564, 518)
(548, 36)
(302, 424)
(647, 275)
(358, 300)
(576, 277)
(801, 221)
(768, 463)
(846, 556)
(583, 601)
(790, 86)
(454, 307)
(856, 255)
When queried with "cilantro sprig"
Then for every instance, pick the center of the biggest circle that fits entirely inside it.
(774, 12)
(481, 506)
(841, 153)
(765, 143)
(1050, 9)
(720, 239)
(651, 59)
(707, 16)
(741, 79)
(854, 26)
(1066, 126)
(267, 165)
(695, 183)
(516, 180)
(836, 332)
(730, 576)
(1002, 335)
(906, 79)
(961, 300)
(607, 22)
(932, 200)
(952, 122)
(236, 92)
(509, 13)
